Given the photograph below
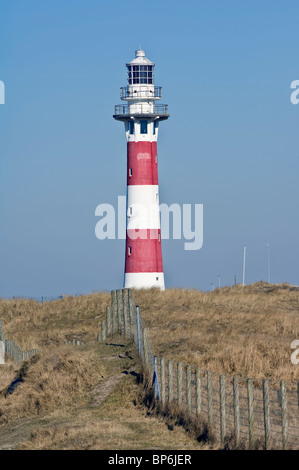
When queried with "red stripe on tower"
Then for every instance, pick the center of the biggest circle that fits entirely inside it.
(142, 163)
(143, 254)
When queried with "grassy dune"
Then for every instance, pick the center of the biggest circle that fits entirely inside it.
(33, 325)
(79, 397)
(75, 397)
(245, 331)
(83, 397)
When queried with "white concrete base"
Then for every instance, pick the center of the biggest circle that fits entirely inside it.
(144, 280)
(2, 352)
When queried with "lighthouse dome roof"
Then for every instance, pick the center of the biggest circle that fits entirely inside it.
(140, 59)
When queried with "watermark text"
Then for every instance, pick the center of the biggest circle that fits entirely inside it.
(144, 221)
(2, 92)
(295, 354)
(295, 94)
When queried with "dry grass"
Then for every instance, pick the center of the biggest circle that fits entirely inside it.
(57, 377)
(245, 331)
(32, 324)
(46, 326)
(196, 426)
(76, 397)
(7, 373)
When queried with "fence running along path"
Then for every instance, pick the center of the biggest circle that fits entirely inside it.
(14, 351)
(249, 410)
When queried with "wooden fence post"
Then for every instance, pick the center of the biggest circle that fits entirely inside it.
(250, 412)
(284, 414)
(162, 373)
(126, 311)
(132, 314)
(114, 312)
(104, 330)
(188, 383)
(170, 381)
(180, 380)
(145, 348)
(266, 413)
(210, 398)
(119, 302)
(236, 410)
(108, 320)
(222, 407)
(198, 391)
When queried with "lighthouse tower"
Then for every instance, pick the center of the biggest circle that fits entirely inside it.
(141, 116)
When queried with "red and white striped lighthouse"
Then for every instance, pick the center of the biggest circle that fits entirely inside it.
(141, 116)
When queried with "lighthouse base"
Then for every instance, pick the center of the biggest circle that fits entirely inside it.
(144, 280)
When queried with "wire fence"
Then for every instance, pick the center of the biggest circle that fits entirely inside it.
(252, 412)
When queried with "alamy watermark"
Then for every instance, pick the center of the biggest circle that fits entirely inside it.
(187, 222)
(295, 94)
(295, 354)
(2, 92)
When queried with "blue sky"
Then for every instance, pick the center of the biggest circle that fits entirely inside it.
(231, 143)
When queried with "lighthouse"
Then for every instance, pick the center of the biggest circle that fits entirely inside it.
(142, 114)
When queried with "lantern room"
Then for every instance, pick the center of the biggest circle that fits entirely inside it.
(140, 70)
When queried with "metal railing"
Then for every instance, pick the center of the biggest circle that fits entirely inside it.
(124, 109)
(126, 93)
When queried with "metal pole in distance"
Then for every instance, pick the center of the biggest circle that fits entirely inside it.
(244, 262)
(138, 330)
(266, 413)
(268, 262)
(284, 415)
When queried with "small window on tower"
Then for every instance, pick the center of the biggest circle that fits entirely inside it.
(130, 172)
(129, 251)
(131, 127)
(143, 127)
